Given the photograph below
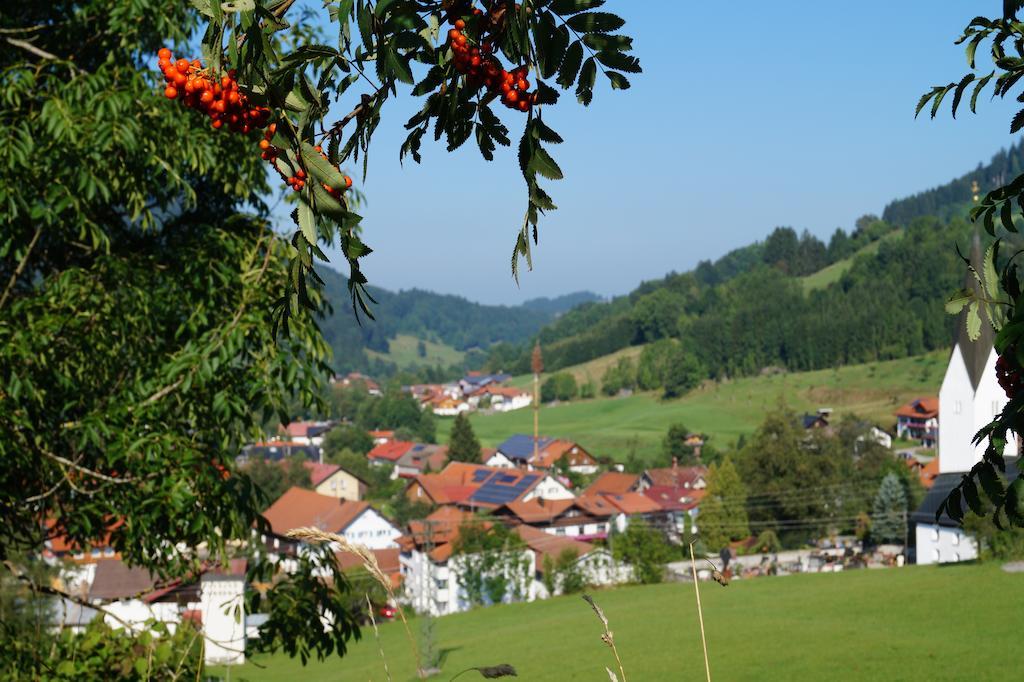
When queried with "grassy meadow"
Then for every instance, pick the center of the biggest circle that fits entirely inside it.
(956, 622)
(614, 426)
(402, 350)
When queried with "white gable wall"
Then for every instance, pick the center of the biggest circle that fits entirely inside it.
(962, 412)
(373, 530)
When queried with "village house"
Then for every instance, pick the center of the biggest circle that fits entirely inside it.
(357, 521)
(306, 432)
(432, 573)
(389, 452)
(919, 420)
(482, 487)
(420, 458)
(333, 481)
(355, 379)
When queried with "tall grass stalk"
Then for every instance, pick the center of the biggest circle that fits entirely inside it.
(700, 613)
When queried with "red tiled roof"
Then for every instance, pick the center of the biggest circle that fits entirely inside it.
(545, 544)
(299, 507)
(671, 498)
(632, 503)
(921, 408)
(536, 511)
(681, 477)
(389, 451)
(612, 482)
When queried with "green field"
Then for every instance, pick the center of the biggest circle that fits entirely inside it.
(613, 426)
(827, 275)
(402, 350)
(917, 623)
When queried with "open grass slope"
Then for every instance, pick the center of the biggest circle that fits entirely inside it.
(615, 426)
(831, 273)
(403, 351)
(915, 623)
(591, 370)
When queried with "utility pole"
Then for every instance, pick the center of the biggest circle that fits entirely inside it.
(537, 365)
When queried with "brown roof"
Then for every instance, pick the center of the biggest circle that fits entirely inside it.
(545, 544)
(299, 508)
(612, 482)
(116, 580)
(682, 477)
(633, 503)
(921, 408)
(596, 505)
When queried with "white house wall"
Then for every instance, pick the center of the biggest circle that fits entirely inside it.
(222, 604)
(942, 545)
(373, 530)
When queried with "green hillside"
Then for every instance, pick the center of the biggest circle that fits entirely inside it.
(613, 426)
(403, 351)
(917, 623)
(831, 273)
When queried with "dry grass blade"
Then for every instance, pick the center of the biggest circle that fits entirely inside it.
(492, 672)
(607, 636)
(369, 561)
(376, 636)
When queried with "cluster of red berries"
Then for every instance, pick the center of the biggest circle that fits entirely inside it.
(1008, 375)
(481, 68)
(218, 98)
(297, 179)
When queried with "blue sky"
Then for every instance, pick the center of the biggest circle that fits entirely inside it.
(746, 118)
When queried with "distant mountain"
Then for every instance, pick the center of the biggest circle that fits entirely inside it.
(560, 304)
(751, 309)
(450, 320)
(956, 196)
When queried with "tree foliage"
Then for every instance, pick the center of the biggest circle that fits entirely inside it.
(723, 512)
(463, 445)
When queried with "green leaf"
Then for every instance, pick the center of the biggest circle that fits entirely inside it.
(595, 22)
(956, 302)
(973, 321)
(585, 86)
(620, 61)
(542, 163)
(307, 220)
(618, 81)
(570, 65)
(565, 7)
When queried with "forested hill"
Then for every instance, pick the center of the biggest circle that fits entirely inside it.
(438, 318)
(791, 301)
(955, 197)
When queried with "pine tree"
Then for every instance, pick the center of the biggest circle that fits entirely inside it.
(463, 445)
(888, 513)
(723, 511)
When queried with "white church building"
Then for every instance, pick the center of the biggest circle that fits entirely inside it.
(970, 397)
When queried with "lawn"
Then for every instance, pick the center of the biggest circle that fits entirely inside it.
(614, 426)
(955, 622)
(403, 351)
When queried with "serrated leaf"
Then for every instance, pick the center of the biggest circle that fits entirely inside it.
(595, 22)
(956, 302)
(619, 61)
(566, 7)
(570, 65)
(542, 163)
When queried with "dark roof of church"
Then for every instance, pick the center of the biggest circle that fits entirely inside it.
(975, 353)
(943, 485)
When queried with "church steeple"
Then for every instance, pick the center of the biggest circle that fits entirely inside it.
(975, 353)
